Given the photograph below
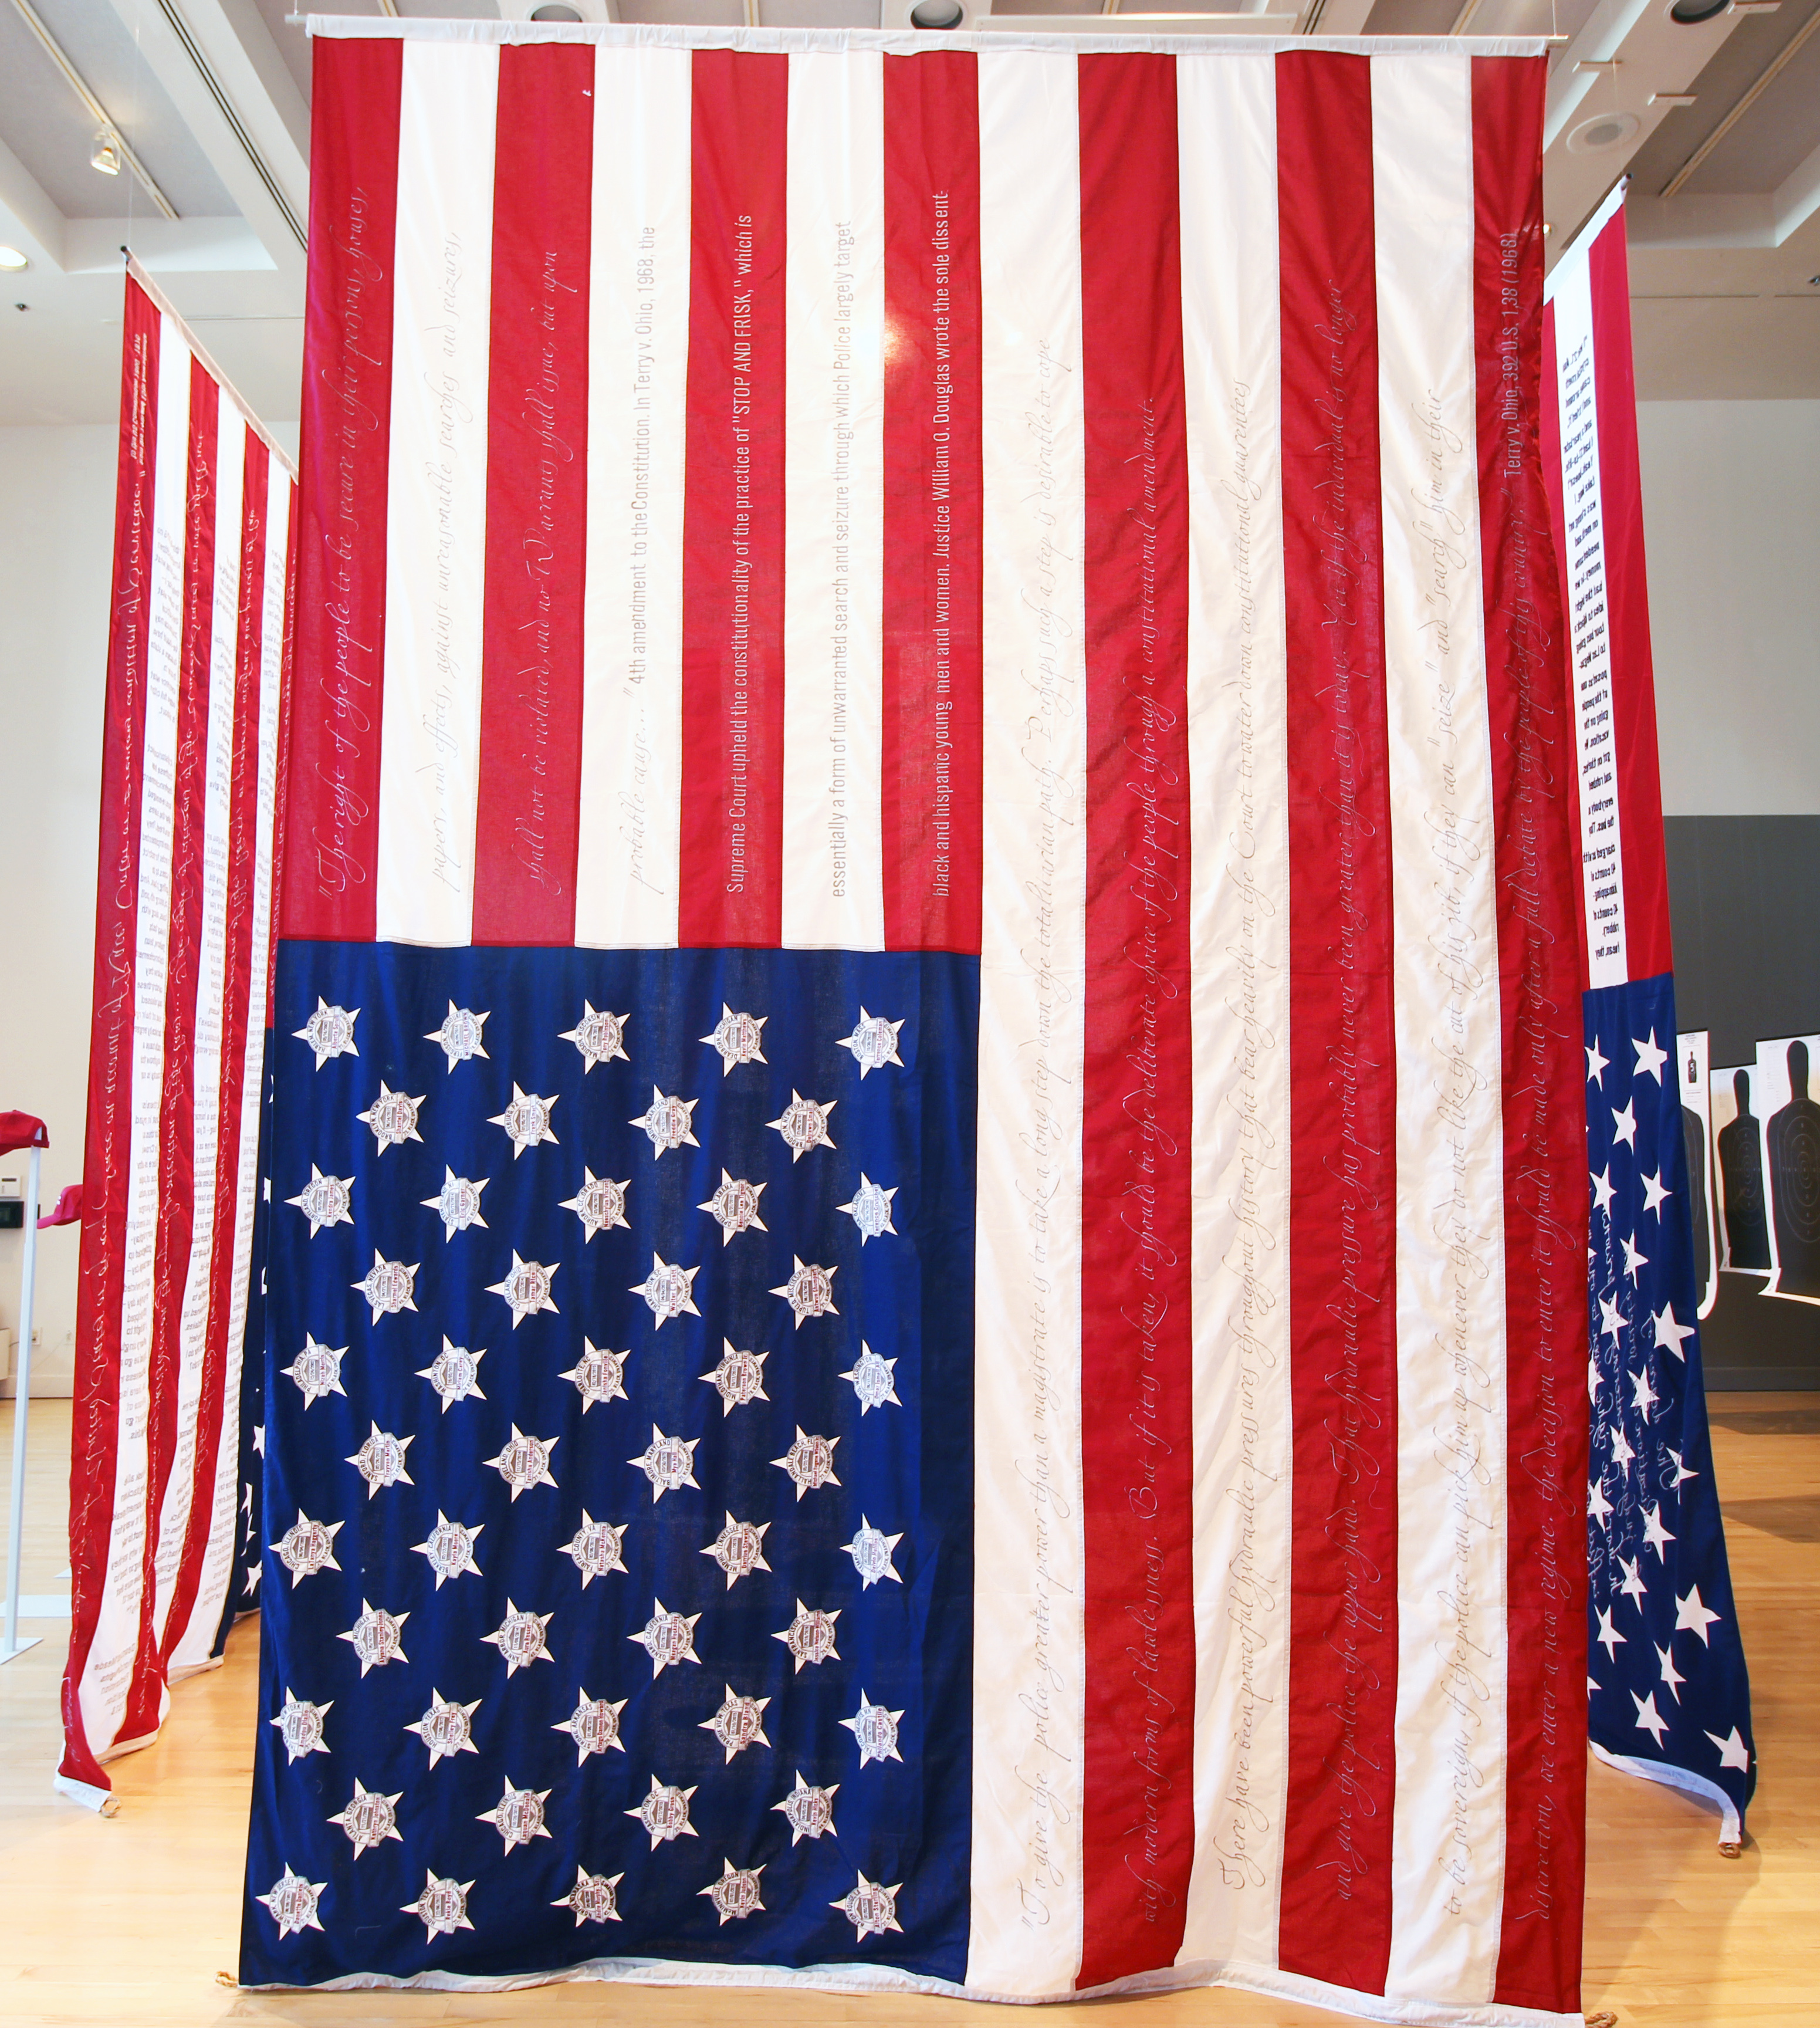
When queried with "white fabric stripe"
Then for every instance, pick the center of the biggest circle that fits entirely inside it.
(626, 881)
(436, 507)
(192, 1649)
(1589, 624)
(217, 757)
(1238, 765)
(107, 1677)
(1029, 1625)
(833, 516)
(1447, 1851)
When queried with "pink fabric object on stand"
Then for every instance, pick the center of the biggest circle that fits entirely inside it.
(67, 1210)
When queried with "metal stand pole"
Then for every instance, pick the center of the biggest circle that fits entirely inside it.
(12, 1644)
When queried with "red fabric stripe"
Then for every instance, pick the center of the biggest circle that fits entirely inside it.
(1532, 747)
(1335, 1915)
(1137, 1822)
(176, 1119)
(334, 764)
(931, 814)
(281, 786)
(110, 1062)
(529, 815)
(1647, 944)
(1552, 483)
(732, 815)
(236, 977)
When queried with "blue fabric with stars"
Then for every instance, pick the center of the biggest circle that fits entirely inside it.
(1665, 1679)
(518, 1848)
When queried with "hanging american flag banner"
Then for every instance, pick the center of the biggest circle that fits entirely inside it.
(925, 1279)
(183, 952)
(1669, 1697)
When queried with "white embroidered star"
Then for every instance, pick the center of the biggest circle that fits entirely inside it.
(1597, 1505)
(809, 1291)
(523, 1461)
(292, 1900)
(1670, 1674)
(300, 1726)
(595, 1547)
(873, 1380)
(1624, 1124)
(518, 1815)
(1669, 1332)
(593, 1725)
(870, 1907)
(810, 1637)
(449, 1549)
(380, 1460)
(376, 1636)
(520, 1637)
(873, 1043)
(668, 1638)
(1634, 1259)
(459, 1037)
(369, 1818)
(1633, 1586)
(598, 1375)
(808, 1811)
(664, 1813)
(1603, 1189)
(330, 1031)
(1655, 1196)
(454, 1373)
(447, 1727)
(593, 1898)
(735, 1894)
(1608, 1636)
(1595, 1063)
(871, 1551)
(393, 1117)
(739, 1722)
(870, 1209)
(457, 1203)
(1732, 1751)
(738, 1037)
(259, 1442)
(810, 1461)
(738, 1378)
(307, 1547)
(1649, 1058)
(526, 1120)
(1642, 1394)
(1622, 1454)
(526, 1286)
(668, 1462)
(316, 1370)
(442, 1907)
(1682, 1472)
(876, 1731)
(1595, 1379)
(734, 1207)
(600, 1203)
(1649, 1719)
(1693, 1614)
(669, 1290)
(1611, 1323)
(389, 1286)
(739, 1549)
(600, 1037)
(325, 1201)
(1655, 1536)
(669, 1122)
(803, 1125)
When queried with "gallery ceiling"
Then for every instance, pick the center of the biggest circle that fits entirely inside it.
(202, 108)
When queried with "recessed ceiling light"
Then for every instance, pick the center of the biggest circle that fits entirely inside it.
(936, 14)
(105, 154)
(12, 259)
(1690, 14)
(1604, 131)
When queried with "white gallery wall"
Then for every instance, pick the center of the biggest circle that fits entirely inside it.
(1731, 509)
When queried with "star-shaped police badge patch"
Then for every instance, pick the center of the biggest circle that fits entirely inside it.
(330, 1031)
(325, 1201)
(738, 1037)
(599, 1036)
(459, 1037)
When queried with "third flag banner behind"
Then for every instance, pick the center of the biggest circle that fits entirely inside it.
(925, 1317)
(1669, 1697)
